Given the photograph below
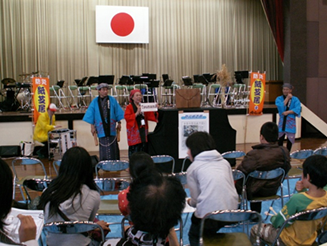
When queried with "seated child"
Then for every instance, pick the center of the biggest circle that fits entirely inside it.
(314, 178)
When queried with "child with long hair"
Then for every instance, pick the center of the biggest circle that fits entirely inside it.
(72, 195)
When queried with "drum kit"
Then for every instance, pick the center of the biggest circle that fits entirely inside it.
(18, 94)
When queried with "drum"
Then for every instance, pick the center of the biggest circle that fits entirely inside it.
(24, 96)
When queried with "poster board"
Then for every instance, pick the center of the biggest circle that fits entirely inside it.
(189, 123)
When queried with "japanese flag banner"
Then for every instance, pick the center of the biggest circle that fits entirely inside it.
(122, 24)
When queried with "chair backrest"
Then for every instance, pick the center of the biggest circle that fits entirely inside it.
(35, 185)
(320, 151)
(233, 154)
(271, 174)
(266, 175)
(301, 154)
(73, 227)
(162, 161)
(111, 184)
(56, 165)
(237, 216)
(307, 215)
(27, 161)
(111, 165)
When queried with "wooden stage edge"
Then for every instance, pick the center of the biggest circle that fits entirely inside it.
(71, 115)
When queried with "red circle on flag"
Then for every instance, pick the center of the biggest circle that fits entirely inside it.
(122, 24)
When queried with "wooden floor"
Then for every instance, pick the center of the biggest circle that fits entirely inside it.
(304, 143)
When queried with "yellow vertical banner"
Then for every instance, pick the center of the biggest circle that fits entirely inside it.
(41, 96)
(257, 93)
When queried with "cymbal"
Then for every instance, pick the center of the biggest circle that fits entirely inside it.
(7, 81)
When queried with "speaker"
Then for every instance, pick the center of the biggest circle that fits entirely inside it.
(10, 151)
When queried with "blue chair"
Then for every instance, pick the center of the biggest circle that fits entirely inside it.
(35, 185)
(239, 175)
(230, 239)
(233, 156)
(320, 151)
(301, 154)
(111, 165)
(309, 215)
(56, 165)
(162, 161)
(267, 175)
(296, 172)
(73, 227)
(24, 162)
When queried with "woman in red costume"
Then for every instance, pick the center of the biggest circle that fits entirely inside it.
(137, 123)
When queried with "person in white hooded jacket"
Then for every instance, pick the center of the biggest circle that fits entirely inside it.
(210, 181)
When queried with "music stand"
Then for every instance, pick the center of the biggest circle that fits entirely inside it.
(165, 77)
(168, 83)
(77, 81)
(203, 80)
(151, 76)
(81, 82)
(137, 79)
(108, 79)
(60, 83)
(240, 75)
(187, 81)
(125, 80)
(154, 83)
(196, 78)
(92, 80)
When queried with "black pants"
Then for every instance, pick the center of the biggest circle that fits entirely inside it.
(281, 141)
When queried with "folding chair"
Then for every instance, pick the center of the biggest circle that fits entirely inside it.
(85, 94)
(23, 162)
(111, 165)
(70, 227)
(202, 89)
(320, 151)
(181, 177)
(36, 185)
(319, 215)
(322, 238)
(144, 89)
(122, 94)
(179, 228)
(186, 163)
(233, 156)
(238, 175)
(296, 172)
(164, 163)
(230, 239)
(56, 165)
(267, 175)
(109, 207)
(168, 91)
(213, 91)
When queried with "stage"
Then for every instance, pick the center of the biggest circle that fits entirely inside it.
(17, 126)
